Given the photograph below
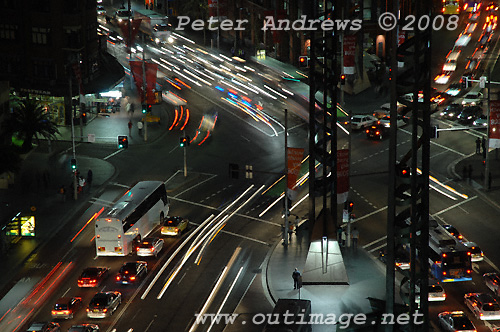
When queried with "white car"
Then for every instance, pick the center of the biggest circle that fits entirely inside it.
(473, 98)
(400, 121)
(455, 321)
(150, 246)
(483, 306)
(436, 291)
(450, 65)
(492, 281)
(361, 121)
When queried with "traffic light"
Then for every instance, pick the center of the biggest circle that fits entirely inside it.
(342, 79)
(84, 117)
(434, 133)
(184, 141)
(149, 107)
(465, 82)
(144, 108)
(73, 164)
(402, 171)
(303, 61)
(122, 142)
(350, 206)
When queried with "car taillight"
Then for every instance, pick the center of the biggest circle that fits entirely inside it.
(377, 133)
(132, 278)
(468, 271)
(444, 273)
(105, 310)
(367, 131)
(152, 249)
(176, 229)
(117, 277)
(88, 309)
(93, 281)
(54, 312)
(138, 249)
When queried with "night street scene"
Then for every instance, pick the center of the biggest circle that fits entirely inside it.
(249, 165)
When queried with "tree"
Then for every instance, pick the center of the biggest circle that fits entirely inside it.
(30, 119)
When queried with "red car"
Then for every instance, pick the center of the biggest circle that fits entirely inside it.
(93, 276)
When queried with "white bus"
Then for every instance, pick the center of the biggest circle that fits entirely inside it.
(131, 218)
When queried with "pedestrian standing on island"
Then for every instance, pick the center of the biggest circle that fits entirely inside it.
(296, 276)
(140, 125)
(290, 231)
(483, 145)
(130, 128)
(339, 235)
(296, 223)
(355, 237)
(478, 146)
(344, 238)
(469, 170)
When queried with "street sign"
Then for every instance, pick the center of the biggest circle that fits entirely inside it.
(482, 82)
(91, 138)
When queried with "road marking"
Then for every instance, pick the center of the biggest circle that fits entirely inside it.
(216, 209)
(371, 213)
(114, 153)
(119, 185)
(373, 242)
(453, 206)
(475, 268)
(439, 145)
(377, 248)
(196, 185)
(95, 200)
(246, 237)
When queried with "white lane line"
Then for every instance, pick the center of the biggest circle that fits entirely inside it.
(377, 248)
(119, 185)
(371, 213)
(237, 214)
(196, 185)
(453, 206)
(439, 145)
(114, 153)
(246, 237)
(373, 242)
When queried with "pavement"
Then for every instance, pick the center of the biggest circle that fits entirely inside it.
(45, 169)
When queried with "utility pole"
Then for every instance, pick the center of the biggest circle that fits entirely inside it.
(145, 94)
(185, 156)
(487, 145)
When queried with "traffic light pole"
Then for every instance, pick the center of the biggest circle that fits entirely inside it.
(145, 94)
(75, 189)
(285, 235)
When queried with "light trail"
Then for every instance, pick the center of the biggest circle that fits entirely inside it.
(97, 214)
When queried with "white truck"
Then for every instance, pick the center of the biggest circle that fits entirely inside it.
(153, 25)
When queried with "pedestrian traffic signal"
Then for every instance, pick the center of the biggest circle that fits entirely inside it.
(184, 141)
(149, 107)
(73, 164)
(84, 117)
(303, 61)
(402, 171)
(342, 79)
(122, 142)
(144, 108)
(350, 206)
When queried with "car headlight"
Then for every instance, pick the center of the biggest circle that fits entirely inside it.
(157, 40)
(451, 114)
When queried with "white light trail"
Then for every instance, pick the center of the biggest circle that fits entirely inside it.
(226, 58)
(276, 92)
(186, 39)
(186, 77)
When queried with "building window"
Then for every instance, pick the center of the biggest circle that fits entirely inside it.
(44, 69)
(8, 31)
(40, 35)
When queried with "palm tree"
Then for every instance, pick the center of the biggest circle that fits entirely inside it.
(31, 119)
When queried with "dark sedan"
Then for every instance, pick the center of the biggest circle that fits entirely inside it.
(469, 114)
(132, 272)
(377, 131)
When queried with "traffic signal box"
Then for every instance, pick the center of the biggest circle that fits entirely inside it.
(303, 61)
(73, 164)
(122, 142)
(184, 141)
(342, 79)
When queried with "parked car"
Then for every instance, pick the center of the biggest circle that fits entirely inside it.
(104, 304)
(455, 321)
(93, 276)
(492, 281)
(469, 114)
(476, 252)
(361, 121)
(451, 111)
(84, 328)
(483, 306)
(65, 307)
(473, 98)
(150, 246)
(377, 131)
(174, 226)
(132, 272)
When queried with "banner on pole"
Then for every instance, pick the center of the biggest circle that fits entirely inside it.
(349, 53)
(128, 33)
(342, 175)
(294, 161)
(151, 69)
(494, 131)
